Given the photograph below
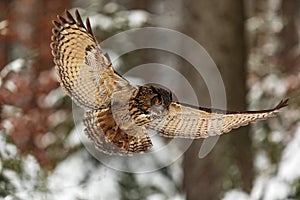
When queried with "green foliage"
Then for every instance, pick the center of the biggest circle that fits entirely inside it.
(296, 190)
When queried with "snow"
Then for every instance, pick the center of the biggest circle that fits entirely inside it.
(31, 167)
(27, 185)
(236, 195)
(76, 177)
(15, 66)
(53, 97)
(137, 18)
(73, 138)
(280, 185)
(7, 125)
(7, 151)
(258, 188)
(47, 139)
(3, 24)
(156, 197)
(57, 117)
(289, 166)
(157, 180)
(102, 21)
(262, 162)
(270, 188)
(10, 85)
(111, 7)
(275, 85)
(276, 136)
(276, 189)
(1, 165)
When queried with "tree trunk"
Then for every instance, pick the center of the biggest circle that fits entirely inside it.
(289, 57)
(219, 27)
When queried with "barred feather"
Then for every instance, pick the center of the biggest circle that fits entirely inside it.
(187, 122)
(83, 70)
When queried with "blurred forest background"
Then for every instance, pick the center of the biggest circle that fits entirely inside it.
(255, 44)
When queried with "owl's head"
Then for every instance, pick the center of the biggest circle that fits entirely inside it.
(153, 100)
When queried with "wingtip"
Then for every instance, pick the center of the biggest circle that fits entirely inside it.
(56, 23)
(89, 27)
(77, 12)
(69, 16)
(282, 103)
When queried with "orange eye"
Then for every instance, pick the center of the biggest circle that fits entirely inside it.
(158, 102)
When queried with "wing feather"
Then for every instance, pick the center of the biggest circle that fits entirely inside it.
(83, 70)
(183, 121)
(109, 138)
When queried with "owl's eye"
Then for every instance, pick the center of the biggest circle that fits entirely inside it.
(156, 101)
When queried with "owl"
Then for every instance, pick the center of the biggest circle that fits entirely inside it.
(119, 114)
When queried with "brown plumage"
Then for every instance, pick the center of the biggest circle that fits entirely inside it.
(119, 113)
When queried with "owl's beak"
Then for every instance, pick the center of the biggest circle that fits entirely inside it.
(157, 110)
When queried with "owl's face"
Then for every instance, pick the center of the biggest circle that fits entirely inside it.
(160, 101)
(153, 100)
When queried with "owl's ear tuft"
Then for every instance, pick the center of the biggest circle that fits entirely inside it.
(153, 89)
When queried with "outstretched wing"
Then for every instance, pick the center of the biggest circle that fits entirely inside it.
(187, 122)
(113, 138)
(83, 70)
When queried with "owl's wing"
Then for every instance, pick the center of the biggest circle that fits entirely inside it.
(113, 138)
(83, 70)
(187, 122)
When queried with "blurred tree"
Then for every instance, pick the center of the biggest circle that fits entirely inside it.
(3, 31)
(38, 115)
(219, 27)
(289, 35)
(25, 89)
